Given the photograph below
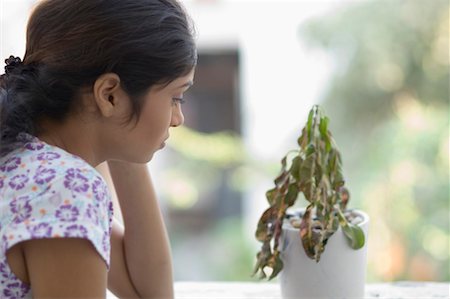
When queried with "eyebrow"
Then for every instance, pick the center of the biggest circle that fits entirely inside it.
(187, 84)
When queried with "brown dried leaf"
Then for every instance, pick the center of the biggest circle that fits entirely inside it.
(263, 229)
(282, 178)
(306, 233)
(276, 264)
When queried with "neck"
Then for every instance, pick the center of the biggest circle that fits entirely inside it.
(72, 136)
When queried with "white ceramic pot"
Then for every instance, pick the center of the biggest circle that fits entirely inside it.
(340, 273)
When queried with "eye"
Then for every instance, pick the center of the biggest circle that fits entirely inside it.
(178, 101)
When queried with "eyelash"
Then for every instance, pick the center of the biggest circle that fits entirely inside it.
(178, 100)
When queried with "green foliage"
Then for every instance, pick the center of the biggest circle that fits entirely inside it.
(219, 150)
(316, 172)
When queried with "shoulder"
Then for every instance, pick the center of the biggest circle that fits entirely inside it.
(38, 168)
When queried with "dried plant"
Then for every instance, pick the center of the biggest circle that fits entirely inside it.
(315, 171)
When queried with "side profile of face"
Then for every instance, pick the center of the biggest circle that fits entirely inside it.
(101, 129)
(137, 141)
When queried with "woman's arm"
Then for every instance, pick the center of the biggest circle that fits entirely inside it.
(64, 268)
(146, 249)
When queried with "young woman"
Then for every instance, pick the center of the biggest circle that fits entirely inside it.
(101, 80)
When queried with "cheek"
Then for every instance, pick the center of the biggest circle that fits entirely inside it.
(156, 124)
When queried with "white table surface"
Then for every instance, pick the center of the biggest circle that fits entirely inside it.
(266, 290)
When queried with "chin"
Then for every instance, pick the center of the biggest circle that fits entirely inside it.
(141, 158)
(145, 159)
(149, 158)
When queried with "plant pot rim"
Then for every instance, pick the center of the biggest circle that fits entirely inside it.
(364, 215)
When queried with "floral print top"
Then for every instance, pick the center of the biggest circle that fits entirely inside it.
(46, 192)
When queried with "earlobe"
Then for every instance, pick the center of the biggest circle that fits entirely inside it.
(106, 91)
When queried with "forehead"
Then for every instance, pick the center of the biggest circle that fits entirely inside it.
(180, 82)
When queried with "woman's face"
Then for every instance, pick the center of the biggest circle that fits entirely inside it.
(161, 109)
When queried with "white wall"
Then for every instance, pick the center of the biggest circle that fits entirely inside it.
(13, 19)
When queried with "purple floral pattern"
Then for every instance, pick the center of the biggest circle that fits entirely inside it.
(5, 275)
(18, 181)
(110, 212)
(42, 230)
(67, 213)
(106, 243)
(16, 290)
(15, 287)
(100, 190)
(76, 231)
(34, 146)
(21, 208)
(44, 175)
(92, 213)
(48, 156)
(4, 244)
(10, 164)
(46, 192)
(76, 181)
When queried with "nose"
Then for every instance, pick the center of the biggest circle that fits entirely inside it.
(177, 116)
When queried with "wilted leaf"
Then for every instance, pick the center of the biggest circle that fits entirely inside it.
(295, 168)
(309, 124)
(258, 263)
(338, 178)
(262, 231)
(263, 258)
(306, 233)
(324, 133)
(302, 141)
(281, 179)
(271, 195)
(262, 275)
(328, 141)
(308, 190)
(284, 188)
(277, 232)
(336, 171)
(311, 149)
(331, 165)
(283, 163)
(291, 195)
(277, 266)
(355, 235)
(323, 126)
(345, 197)
(307, 168)
(318, 173)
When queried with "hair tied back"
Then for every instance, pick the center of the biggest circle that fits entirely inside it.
(11, 63)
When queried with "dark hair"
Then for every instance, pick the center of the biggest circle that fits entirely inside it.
(69, 44)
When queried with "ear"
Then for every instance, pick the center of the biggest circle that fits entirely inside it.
(107, 92)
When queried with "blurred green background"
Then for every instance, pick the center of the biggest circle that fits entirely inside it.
(388, 100)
